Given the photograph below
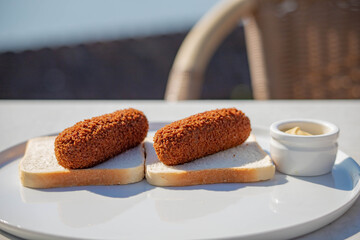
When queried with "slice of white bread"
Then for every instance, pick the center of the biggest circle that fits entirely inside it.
(40, 169)
(244, 163)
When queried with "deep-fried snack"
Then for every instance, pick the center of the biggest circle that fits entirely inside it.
(201, 135)
(95, 140)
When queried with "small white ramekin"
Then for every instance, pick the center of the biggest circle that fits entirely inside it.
(304, 155)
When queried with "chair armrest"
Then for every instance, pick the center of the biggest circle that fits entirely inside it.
(186, 76)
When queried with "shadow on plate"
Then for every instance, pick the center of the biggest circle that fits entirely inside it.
(278, 179)
(12, 153)
(78, 207)
(113, 191)
(178, 204)
(344, 176)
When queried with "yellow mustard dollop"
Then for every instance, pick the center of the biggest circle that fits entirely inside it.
(297, 131)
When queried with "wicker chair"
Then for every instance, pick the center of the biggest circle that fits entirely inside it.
(297, 49)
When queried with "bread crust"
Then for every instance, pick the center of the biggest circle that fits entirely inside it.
(96, 140)
(210, 176)
(39, 168)
(243, 164)
(201, 135)
(83, 177)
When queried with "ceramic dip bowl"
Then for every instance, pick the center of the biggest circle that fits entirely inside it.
(301, 155)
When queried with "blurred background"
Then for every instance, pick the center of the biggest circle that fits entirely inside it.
(91, 49)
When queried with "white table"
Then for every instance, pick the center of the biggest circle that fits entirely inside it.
(22, 120)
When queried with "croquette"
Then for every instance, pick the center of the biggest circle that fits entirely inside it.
(201, 135)
(95, 140)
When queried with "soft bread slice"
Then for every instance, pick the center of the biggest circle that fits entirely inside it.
(244, 163)
(39, 168)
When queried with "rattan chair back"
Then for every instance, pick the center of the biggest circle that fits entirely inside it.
(297, 49)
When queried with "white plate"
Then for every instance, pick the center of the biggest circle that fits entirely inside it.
(284, 207)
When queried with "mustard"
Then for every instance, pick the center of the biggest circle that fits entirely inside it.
(297, 131)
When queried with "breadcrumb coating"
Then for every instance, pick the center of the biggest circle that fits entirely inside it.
(201, 135)
(95, 140)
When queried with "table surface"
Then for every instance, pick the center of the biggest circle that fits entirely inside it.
(22, 120)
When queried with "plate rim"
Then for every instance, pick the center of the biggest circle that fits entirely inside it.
(20, 231)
